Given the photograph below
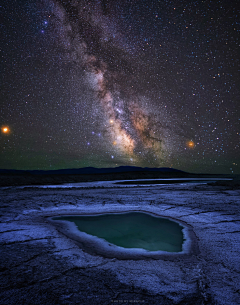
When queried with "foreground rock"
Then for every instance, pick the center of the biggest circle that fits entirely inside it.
(41, 265)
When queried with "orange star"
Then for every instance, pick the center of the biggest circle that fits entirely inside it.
(190, 144)
(5, 129)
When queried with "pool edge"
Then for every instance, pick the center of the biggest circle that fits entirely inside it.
(95, 246)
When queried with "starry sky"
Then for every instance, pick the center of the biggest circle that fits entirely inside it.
(124, 82)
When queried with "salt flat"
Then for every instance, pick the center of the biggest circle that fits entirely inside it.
(41, 264)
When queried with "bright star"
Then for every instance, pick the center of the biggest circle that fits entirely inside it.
(5, 129)
(190, 144)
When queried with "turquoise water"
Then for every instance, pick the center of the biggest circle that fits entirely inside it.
(132, 230)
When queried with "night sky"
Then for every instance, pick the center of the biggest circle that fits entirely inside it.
(121, 82)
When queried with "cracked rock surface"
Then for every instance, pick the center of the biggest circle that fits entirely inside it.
(39, 264)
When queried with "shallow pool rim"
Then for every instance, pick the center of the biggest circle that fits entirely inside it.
(95, 246)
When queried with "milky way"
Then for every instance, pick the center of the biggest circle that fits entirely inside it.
(85, 33)
(109, 83)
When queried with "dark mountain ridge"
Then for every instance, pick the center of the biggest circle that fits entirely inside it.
(90, 170)
(11, 177)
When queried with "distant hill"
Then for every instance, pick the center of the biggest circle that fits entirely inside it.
(90, 171)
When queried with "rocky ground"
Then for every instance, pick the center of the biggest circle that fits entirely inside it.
(42, 265)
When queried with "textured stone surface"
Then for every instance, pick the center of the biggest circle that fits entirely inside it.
(41, 265)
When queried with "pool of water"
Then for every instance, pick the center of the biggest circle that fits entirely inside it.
(132, 230)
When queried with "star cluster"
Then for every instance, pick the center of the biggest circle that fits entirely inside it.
(110, 83)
